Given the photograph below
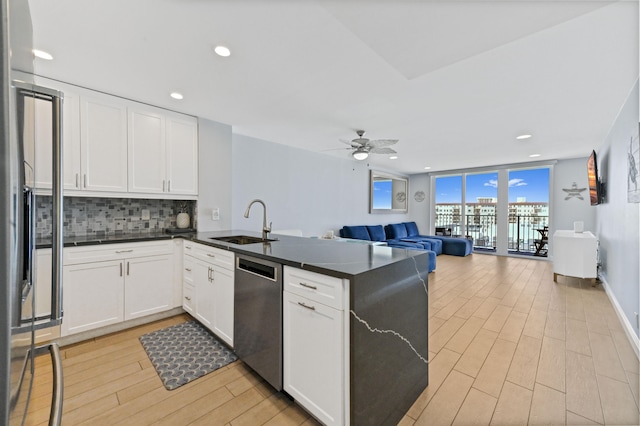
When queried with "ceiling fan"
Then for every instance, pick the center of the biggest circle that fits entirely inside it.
(362, 147)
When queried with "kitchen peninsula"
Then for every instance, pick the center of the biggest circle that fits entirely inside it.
(379, 322)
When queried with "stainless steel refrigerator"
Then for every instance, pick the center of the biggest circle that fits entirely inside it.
(26, 111)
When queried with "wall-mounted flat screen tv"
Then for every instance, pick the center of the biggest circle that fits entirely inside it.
(594, 181)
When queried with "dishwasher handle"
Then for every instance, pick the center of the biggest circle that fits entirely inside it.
(265, 271)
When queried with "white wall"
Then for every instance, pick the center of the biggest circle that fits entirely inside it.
(420, 212)
(566, 211)
(617, 221)
(303, 190)
(214, 172)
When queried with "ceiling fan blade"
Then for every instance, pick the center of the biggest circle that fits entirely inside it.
(338, 149)
(382, 142)
(382, 150)
(350, 143)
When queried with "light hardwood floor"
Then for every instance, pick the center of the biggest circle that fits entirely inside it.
(508, 346)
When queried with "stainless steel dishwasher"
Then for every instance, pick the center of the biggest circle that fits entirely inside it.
(257, 330)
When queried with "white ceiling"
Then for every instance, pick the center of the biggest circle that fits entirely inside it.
(454, 81)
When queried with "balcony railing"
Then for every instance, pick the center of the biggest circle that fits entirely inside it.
(523, 230)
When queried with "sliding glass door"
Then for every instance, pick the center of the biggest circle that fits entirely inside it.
(528, 211)
(481, 196)
(504, 211)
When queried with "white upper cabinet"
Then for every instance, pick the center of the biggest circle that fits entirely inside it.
(103, 124)
(163, 152)
(147, 151)
(182, 154)
(116, 146)
(42, 111)
(71, 141)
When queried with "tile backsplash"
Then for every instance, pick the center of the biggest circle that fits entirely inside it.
(87, 216)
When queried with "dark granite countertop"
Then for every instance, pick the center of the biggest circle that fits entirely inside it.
(340, 259)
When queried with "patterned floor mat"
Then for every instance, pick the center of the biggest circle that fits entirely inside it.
(184, 352)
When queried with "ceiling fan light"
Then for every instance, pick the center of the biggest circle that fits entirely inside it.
(360, 154)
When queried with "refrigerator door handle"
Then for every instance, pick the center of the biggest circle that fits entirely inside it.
(55, 418)
(58, 217)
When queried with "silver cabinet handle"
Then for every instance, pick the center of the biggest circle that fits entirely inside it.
(211, 255)
(85, 181)
(124, 251)
(77, 180)
(127, 268)
(120, 268)
(169, 185)
(188, 298)
(187, 247)
(187, 269)
(312, 287)
(313, 308)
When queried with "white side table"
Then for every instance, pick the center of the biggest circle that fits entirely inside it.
(575, 254)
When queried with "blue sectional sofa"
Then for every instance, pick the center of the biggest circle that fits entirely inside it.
(377, 233)
(408, 232)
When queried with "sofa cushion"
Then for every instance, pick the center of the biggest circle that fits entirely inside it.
(356, 232)
(376, 232)
(396, 231)
(455, 246)
(412, 228)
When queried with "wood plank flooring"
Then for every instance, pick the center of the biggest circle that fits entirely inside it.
(508, 346)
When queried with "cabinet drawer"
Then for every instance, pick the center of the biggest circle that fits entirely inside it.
(101, 253)
(216, 256)
(317, 287)
(188, 298)
(187, 269)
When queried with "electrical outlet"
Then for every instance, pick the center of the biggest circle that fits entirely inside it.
(215, 213)
(145, 215)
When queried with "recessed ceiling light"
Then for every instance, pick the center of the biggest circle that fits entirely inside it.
(427, 168)
(176, 95)
(222, 51)
(523, 137)
(42, 54)
(534, 155)
(393, 157)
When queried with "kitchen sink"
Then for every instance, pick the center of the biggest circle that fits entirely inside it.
(243, 239)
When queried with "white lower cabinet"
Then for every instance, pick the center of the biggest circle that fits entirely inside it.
(148, 286)
(223, 289)
(93, 296)
(204, 305)
(314, 351)
(105, 285)
(209, 278)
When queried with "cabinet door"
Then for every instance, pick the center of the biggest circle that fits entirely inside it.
(147, 160)
(313, 353)
(223, 304)
(71, 141)
(204, 306)
(103, 124)
(182, 155)
(93, 296)
(148, 285)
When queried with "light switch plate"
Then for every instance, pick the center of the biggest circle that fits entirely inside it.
(145, 215)
(215, 213)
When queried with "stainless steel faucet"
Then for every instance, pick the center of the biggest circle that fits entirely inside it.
(265, 229)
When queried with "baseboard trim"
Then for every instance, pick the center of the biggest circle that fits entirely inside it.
(98, 332)
(626, 325)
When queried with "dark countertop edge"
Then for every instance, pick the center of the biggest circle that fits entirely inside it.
(205, 239)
